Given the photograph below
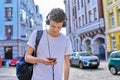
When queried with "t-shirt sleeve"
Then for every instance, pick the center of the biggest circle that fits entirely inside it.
(31, 41)
(68, 49)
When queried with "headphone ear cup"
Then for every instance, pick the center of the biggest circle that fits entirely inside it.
(64, 24)
(47, 21)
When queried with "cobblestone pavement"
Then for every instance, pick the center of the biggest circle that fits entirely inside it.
(102, 73)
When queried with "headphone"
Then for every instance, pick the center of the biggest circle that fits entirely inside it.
(48, 21)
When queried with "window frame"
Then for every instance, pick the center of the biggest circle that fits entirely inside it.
(112, 19)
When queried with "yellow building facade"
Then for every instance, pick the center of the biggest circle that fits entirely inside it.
(112, 24)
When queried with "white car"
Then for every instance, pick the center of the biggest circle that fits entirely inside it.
(84, 59)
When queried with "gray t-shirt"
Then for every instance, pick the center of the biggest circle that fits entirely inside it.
(59, 47)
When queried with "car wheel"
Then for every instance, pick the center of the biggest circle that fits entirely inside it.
(71, 64)
(95, 67)
(81, 65)
(113, 70)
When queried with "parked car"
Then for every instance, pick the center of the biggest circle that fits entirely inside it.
(14, 61)
(114, 62)
(84, 59)
(5, 62)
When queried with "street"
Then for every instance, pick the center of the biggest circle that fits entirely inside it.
(101, 73)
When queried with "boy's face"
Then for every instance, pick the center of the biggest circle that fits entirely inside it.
(55, 27)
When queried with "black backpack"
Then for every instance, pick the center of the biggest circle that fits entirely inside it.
(24, 70)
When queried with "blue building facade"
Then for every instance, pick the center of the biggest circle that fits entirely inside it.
(17, 20)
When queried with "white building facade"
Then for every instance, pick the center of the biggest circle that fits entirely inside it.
(86, 26)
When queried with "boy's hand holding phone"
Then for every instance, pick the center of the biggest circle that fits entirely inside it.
(52, 59)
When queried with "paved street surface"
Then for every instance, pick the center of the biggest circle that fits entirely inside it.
(102, 73)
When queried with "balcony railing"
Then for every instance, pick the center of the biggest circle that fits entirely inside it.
(8, 19)
(92, 26)
(8, 1)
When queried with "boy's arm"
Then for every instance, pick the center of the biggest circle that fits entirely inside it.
(66, 67)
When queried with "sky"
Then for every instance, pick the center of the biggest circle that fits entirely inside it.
(46, 5)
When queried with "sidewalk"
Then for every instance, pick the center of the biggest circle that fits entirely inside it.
(7, 71)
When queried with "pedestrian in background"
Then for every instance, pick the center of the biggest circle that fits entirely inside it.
(52, 61)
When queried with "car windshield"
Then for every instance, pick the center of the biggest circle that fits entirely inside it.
(116, 55)
(84, 54)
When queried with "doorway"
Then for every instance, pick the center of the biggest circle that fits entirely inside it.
(8, 52)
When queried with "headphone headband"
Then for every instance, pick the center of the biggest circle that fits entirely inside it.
(57, 15)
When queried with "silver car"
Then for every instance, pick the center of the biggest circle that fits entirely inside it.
(84, 59)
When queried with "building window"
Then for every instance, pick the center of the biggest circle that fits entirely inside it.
(80, 21)
(93, 2)
(83, 18)
(73, 12)
(90, 16)
(31, 22)
(113, 43)
(23, 32)
(95, 14)
(73, 2)
(78, 5)
(23, 16)
(109, 1)
(8, 31)
(88, 1)
(112, 19)
(82, 3)
(119, 15)
(8, 13)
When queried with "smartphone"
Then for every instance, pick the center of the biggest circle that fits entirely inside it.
(50, 58)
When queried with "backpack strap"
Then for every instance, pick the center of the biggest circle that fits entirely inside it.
(38, 37)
